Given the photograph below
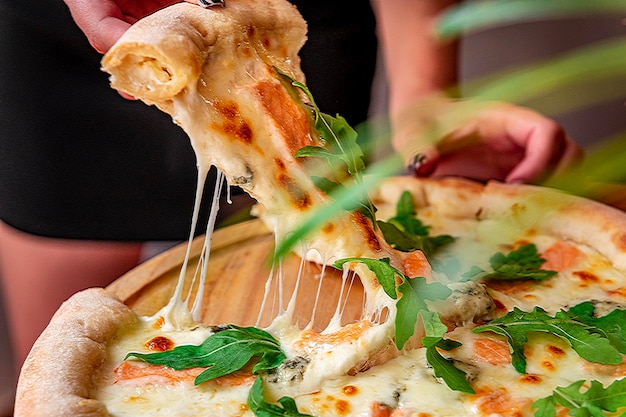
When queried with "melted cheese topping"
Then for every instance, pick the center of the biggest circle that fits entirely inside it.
(319, 378)
(240, 108)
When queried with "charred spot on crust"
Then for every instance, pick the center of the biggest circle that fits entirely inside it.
(366, 226)
(300, 198)
(555, 350)
(233, 124)
(342, 407)
(586, 276)
(531, 379)
(500, 305)
(251, 31)
(350, 390)
(279, 164)
(159, 344)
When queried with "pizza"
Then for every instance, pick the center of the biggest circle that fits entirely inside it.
(476, 299)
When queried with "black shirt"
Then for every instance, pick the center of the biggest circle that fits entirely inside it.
(79, 161)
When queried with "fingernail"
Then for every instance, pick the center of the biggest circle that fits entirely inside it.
(416, 162)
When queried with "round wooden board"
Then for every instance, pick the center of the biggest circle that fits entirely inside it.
(238, 269)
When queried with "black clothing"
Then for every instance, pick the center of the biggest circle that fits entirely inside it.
(79, 161)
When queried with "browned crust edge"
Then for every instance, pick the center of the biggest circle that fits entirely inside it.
(163, 53)
(541, 209)
(61, 370)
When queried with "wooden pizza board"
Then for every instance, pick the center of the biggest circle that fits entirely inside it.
(238, 269)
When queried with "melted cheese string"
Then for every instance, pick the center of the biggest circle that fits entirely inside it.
(177, 313)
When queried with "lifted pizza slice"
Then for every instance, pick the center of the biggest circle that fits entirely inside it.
(230, 77)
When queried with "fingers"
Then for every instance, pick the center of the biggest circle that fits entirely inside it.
(547, 147)
(543, 146)
(486, 141)
(102, 22)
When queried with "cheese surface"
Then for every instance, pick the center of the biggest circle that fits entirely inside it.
(218, 74)
(406, 384)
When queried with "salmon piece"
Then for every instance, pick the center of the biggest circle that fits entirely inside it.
(416, 265)
(311, 341)
(160, 374)
(129, 371)
(499, 402)
(491, 351)
(561, 256)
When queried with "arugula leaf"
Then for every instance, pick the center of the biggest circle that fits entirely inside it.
(590, 344)
(523, 263)
(588, 403)
(318, 152)
(410, 307)
(406, 233)
(444, 368)
(612, 326)
(330, 187)
(342, 145)
(261, 408)
(412, 304)
(385, 273)
(223, 352)
(408, 242)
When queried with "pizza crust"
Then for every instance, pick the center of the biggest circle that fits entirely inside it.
(58, 378)
(562, 215)
(161, 55)
(61, 370)
(544, 210)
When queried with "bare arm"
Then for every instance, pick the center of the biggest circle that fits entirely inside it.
(416, 62)
(478, 140)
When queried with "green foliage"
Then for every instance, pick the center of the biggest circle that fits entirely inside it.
(223, 352)
(341, 148)
(591, 402)
(443, 368)
(523, 263)
(286, 406)
(477, 15)
(411, 304)
(406, 233)
(385, 273)
(587, 336)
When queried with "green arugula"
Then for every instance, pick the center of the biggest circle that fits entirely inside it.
(341, 149)
(588, 403)
(443, 368)
(591, 338)
(523, 263)
(261, 408)
(411, 304)
(406, 233)
(612, 326)
(224, 352)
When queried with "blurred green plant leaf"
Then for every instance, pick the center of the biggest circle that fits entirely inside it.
(476, 15)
